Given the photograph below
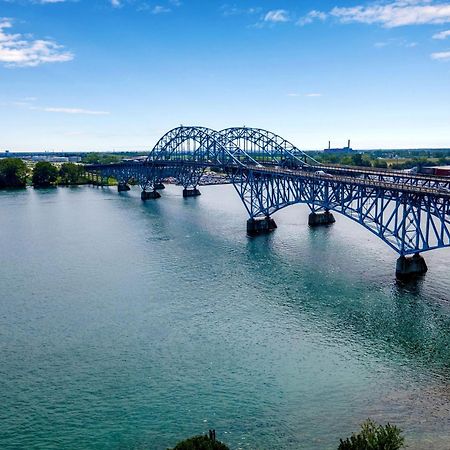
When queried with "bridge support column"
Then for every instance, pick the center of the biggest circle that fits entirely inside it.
(158, 186)
(123, 187)
(410, 266)
(260, 225)
(191, 192)
(148, 195)
(321, 218)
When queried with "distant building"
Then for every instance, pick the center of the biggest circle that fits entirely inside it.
(50, 158)
(347, 149)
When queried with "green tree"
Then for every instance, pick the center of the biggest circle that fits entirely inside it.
(200, 443)
(13, 173)
(380, 163)
(44, 174)
(374, 437)
(101, 158)
(357, 159)
(70, 173)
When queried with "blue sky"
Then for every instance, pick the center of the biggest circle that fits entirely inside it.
(117, 74)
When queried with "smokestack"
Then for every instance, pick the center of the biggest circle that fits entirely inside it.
(348, 143)
(329, 145)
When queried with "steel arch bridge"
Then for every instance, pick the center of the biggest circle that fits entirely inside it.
(409, 212)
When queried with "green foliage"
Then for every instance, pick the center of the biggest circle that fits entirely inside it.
(71, 173)
(200, 443)
(374, 437)
(13, 173)
(347, 159)
(380, 164)
(101, 158)
(392, 159)
(44, 174)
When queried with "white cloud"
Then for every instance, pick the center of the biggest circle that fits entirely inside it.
(233, 10)
(71, 111)
(166, 6)
(395, 14)
(311, 16)
(442, 35)
(277, 16)
(395, 42)
(158, 9)
(441, 56)
(17, 50)
(29, 103)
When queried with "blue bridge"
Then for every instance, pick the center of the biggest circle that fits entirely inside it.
(409, 212)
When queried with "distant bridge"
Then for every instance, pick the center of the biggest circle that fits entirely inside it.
(409, 212)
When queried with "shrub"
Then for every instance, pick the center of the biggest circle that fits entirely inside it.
(374, 437)
(200, 443)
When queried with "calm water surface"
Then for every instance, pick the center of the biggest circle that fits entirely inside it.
(131, 325)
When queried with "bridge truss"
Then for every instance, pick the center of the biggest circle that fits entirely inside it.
(410, 213)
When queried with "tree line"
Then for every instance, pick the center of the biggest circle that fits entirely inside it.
(385, 160)
(14, 173)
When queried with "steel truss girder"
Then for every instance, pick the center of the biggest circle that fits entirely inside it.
(270, 148)
(230, 146)
(199, 144)
(408, 222)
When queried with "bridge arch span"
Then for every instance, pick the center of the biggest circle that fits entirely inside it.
(196, 144)
(199, 145)
(269, 147)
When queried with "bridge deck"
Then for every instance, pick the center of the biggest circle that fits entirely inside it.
(402, 187)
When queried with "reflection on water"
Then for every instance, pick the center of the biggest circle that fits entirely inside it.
(126, 324)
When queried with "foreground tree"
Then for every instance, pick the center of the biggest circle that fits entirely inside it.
(70, 173)
(44, 174)
(374, 437)
(200, 443)
(13, 173)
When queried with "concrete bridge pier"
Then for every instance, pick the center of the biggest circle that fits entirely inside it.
(321, 218)
(260, 225)
(123, 187)
(148, 195)
(411, 266)
(194, 192)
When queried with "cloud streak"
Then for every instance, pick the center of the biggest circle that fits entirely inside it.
(442, 35)
(72, 111)
(441, 56)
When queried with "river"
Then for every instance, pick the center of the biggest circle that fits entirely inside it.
(132, 325)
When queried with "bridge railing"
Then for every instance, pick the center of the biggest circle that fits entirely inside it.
(419, 189)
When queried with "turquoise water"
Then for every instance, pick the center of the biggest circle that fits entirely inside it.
(131, 325)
